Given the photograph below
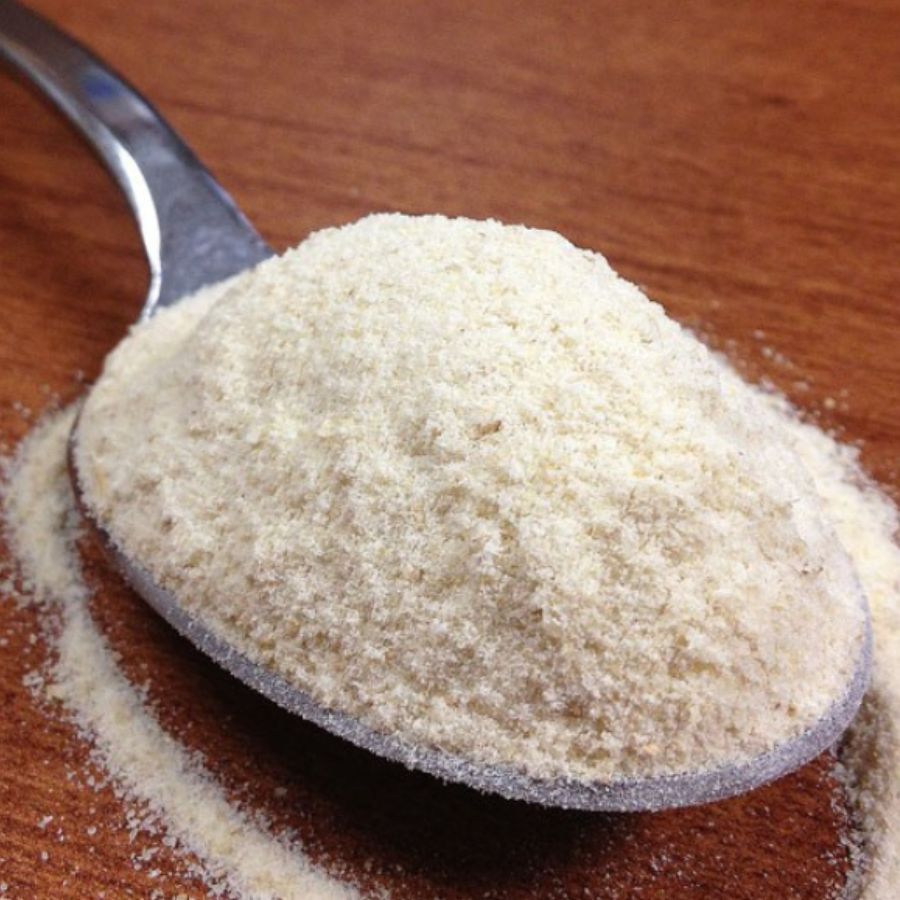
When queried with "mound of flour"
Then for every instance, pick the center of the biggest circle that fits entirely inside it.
(461, 481)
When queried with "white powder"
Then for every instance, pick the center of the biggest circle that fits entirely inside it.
(41, 529)
(463, 482)
(237, 851)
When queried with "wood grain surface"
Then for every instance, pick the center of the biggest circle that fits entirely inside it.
(738, 160)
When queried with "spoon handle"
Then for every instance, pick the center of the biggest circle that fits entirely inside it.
(193, 232)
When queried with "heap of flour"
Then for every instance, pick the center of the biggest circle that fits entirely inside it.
(461, 481)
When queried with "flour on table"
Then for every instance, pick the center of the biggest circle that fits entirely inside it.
(237, 852)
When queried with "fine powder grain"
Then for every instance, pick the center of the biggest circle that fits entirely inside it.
(461, 481)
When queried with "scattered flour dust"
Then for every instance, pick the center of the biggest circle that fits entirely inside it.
(869, 527)
(238, 853)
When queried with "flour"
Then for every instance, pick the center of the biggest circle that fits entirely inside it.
(237, 852)
(461, 481)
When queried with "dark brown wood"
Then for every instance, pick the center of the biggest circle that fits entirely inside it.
(738, 160)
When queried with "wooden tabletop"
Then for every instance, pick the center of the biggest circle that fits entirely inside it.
(738, 160)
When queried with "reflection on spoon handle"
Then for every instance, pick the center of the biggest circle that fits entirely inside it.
(193, 233)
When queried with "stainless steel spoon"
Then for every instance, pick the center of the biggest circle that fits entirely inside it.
(193, 234)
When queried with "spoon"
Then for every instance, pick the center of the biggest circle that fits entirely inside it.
(193, 234)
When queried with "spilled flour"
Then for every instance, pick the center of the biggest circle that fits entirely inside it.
(237, 851)
(869, 527)
(240, 853)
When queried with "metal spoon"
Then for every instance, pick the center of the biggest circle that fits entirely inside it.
(193, 234)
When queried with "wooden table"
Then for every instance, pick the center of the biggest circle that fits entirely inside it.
(738, 160)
